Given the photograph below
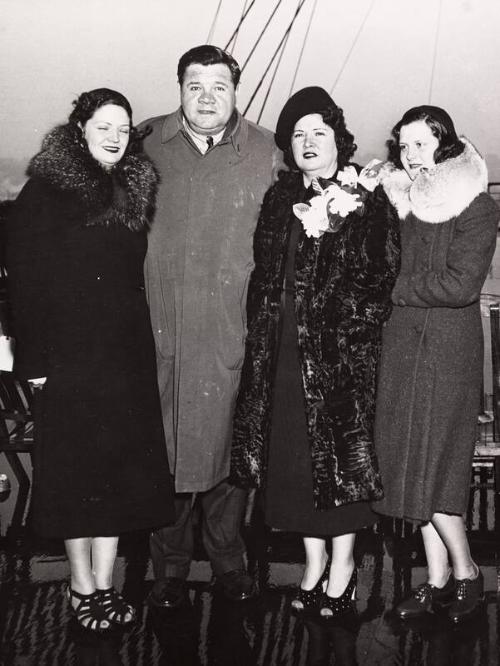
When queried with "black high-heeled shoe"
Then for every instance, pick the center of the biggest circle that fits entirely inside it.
(309, 599)
(331, 606)
(88, 611)
(115, 607)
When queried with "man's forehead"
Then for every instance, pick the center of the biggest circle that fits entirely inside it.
(198, 72)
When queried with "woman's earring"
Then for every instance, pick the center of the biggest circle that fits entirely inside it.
(82, 142)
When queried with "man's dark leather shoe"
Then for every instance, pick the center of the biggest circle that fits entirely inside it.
(168, 592)
(426, 598)
(469, 595)
(237, 585)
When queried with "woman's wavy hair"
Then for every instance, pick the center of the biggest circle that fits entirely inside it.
(441, 126)
(87, 104)
(333, 116)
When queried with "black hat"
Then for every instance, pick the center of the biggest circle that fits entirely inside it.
(312, 99)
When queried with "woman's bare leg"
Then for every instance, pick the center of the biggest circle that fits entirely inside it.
(104, 551)
(436, 553)
(78, 552)
(103, 560)
(316, 558)
(451, 530)
(342, 564)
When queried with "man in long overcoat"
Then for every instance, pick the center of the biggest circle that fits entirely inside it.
(215, 167)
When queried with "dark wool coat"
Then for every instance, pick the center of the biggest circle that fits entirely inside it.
(343, 285)
(75, 250)
(432, 355)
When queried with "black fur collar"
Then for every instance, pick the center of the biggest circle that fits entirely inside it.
(124, 195)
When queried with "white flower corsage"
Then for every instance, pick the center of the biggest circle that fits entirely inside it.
(326, 211)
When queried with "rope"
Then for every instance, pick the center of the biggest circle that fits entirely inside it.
(212, 27)
(352, 47)
(272, 79)
(239, 24)
(238, 28)
(303, 47)
(436, 40)
(261, 34)
(287, 31)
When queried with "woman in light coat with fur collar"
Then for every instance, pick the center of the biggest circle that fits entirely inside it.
(431, 367)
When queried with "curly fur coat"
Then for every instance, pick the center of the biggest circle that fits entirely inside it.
(343, 287)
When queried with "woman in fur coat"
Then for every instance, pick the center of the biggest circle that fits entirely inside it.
(326, 258)
(432, 357)
(75, 249)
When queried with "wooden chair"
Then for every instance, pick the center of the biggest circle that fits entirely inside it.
(487, 450)
(16, 423)
(494, 191)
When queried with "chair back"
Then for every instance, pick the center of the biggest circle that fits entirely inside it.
(495, 367)
(16, 414)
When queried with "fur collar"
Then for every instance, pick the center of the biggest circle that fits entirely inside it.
(124, 195)
(441, 193)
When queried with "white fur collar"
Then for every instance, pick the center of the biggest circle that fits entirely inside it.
(441, 193)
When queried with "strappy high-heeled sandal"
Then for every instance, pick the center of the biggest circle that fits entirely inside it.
(331, 606)
(309, 599)
(88, 611)
(115, 607)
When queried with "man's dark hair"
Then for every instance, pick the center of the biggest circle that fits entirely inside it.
(206, 54)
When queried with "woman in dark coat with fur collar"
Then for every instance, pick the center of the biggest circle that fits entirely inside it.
(432, 354)
(75, 251)
(317, 300)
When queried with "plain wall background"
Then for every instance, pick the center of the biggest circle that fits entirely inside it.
(380, 57)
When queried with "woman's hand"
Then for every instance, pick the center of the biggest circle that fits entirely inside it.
(37, 382)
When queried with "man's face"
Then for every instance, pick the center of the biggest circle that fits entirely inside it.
(208, 97)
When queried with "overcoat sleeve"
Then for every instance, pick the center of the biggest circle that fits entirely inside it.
(469, 256)
(28, 267)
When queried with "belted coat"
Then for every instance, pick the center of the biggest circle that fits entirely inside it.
(197, 270)
(342, 298)
(432, 353)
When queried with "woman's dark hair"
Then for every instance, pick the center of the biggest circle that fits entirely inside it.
(206, 54)
(441, 126)
(333, 116)
(87, 104)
